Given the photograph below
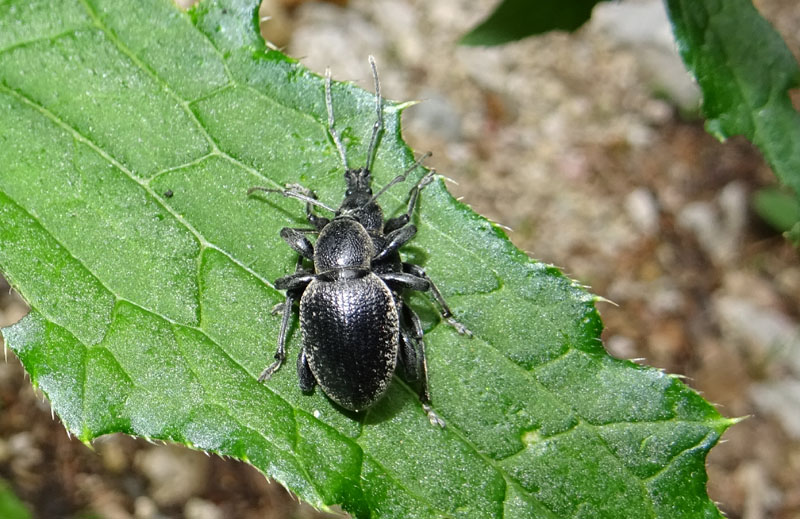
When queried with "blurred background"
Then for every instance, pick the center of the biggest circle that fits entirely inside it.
(589, 147)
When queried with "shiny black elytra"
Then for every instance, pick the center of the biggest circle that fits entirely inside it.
(356, 327)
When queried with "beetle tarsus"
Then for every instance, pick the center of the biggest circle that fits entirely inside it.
(460, 328)
(271, 369)
(433, 418)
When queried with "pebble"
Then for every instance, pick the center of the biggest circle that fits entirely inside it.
(197, 508)
(175, 473)
(718, 226)
(643, 210)
(643, 28)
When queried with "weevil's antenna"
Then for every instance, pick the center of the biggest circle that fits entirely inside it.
(377, 128)
(331, 129)
(291, 194)
(399, 178)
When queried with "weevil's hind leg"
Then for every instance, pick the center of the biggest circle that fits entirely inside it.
(304, 375)
(444, 308)
(331, 128)
(412, 353)
(377, 128)
(280, 354)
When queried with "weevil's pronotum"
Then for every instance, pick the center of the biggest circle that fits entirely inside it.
(356, 327)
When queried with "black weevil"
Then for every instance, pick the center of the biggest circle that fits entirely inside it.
(354, 321)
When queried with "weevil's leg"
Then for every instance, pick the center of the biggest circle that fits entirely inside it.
(402, 177)
(331, 129)
(394, 240)
(416, 356)
(304, 376)
(444, 308)
(303, 230)
(377, 128)
(314, 219)
(294, 285)
(295, 282)
(408, 344)
(298, 241)
(292, 280)
(400, 280)
(408, 356)
(292, 192)
(280, 353)
(399, 221)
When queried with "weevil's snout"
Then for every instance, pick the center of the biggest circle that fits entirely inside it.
(358, 181)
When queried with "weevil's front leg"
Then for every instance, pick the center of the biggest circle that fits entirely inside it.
(394, 240)
(313, 218)
(297, 240)
(444, 308)
(300, 193)
(397, 222)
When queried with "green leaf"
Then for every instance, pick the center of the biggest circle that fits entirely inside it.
(745, 72)
(125, 225)
(778, 208)
(516, 19)
(793, 234)
(10, 505)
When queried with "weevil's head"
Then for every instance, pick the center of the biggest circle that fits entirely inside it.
(358, 201)
(358, 182)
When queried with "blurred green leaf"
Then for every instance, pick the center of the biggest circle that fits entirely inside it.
(124, 165)
(778, 208)
(10, 505)
(516, 19)
(793, 234)
(745, 72)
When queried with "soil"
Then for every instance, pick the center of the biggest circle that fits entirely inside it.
(600, 167)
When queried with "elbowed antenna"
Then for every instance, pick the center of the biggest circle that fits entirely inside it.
(331, 129)
(377, 128)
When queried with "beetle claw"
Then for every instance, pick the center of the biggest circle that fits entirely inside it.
(460, 328)
(434, 418)
(269, 370)
(427, 179)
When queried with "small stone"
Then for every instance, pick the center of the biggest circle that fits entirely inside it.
(643, 210)
(436, 116)
(197, 508)
(763, 333)
(780, 398)
(175, 473)
(718, 226)
(145, 508)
